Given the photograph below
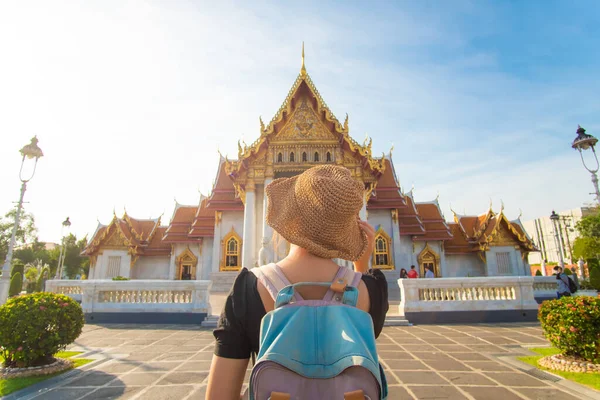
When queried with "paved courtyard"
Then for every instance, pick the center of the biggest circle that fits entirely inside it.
(421, 362)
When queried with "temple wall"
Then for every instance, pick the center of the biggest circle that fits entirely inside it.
(102, 264)
(437, 247)
(406, 258)
(207, 253)
(514, 256)
(231, 219)
(258, 212)
(463, 265)
(147, 267)
(381, 217)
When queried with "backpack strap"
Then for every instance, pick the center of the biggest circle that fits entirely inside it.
(273, 280)
(348, 277)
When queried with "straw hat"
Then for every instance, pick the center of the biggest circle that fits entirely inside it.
(318, 210)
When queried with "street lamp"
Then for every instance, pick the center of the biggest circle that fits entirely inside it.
(583, 141)
(554, 217)
(61, 258)
(29, 152)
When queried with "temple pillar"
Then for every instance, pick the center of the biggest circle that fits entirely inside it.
(216, 249)
(200, 262)
(172, 267)
(396, 239)
(363, 211)
(248, 240)
(267, 231)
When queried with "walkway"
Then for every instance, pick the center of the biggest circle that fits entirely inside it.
(421, 362)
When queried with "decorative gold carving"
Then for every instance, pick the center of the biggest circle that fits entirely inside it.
(394, 215)
(428, 257)
(189, 259)
(134, 259)
(304, 124)
(382, 254)
(116, 240)
(231, 252)
(218, 217)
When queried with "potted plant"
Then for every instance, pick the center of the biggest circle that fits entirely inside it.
(586, 289)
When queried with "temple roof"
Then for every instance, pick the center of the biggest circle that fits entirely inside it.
(433, 222)
(138, 236)
(388, 193)
(479, 233)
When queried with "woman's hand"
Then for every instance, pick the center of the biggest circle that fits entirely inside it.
(362, 264)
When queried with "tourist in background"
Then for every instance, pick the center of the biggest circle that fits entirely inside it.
(412, 274)
(429, 273)
(403, 274)
(562, 281)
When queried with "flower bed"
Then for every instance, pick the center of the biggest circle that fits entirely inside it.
(559, 362)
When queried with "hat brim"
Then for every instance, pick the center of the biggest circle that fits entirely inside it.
(285, 215)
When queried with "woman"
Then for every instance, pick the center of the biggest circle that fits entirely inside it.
(403, 274)
(317, 213)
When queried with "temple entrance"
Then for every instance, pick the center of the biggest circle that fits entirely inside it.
(430, 259)
(186, 272)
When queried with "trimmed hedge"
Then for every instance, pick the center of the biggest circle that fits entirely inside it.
(595, 278)
(538, 273)
(17, 266)
(572, 325)
(16, 285)
(36, 326)
(41, 282)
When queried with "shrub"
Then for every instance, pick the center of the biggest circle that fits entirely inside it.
(36, 326)
(538, 273)
(120, 278)
(595, 278)
(16, 285)
(572, 325)
(567, 271)
(31, 274)
(41, 282)
(585, 284)
(17, 266)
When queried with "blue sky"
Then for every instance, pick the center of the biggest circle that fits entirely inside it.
(131, 99)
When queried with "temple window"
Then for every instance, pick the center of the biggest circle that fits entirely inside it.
(430, 259)
(232, 252)
(186, 266)
(304, 157)
(292, 157)
(279, 157)
(328, 157)
(382, 255)
(316, 159)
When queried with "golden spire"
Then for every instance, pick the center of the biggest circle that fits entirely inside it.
(303, 69)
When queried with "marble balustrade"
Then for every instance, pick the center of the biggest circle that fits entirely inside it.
(137, 295)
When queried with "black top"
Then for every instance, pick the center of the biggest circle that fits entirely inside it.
(238, 329)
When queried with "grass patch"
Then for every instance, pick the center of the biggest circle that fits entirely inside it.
(8, 386)
(590, 380)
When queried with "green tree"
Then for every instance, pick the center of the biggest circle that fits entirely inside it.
(75, 264)
(587, 245)
(16, 285)
(26, 233)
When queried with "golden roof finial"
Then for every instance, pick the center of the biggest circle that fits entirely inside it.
(303, 69)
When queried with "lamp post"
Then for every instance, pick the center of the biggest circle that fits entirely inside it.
(29, 152)
(582, 142)
(61, 258)
(554, 217)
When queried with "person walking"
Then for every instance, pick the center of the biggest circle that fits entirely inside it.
(412, 274)
(318, 232)
(562, 280)
(429, 273)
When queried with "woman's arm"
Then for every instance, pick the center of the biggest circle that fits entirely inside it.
(226, 378)
(362, 265)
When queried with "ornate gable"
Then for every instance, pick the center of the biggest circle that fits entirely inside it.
(304, 124)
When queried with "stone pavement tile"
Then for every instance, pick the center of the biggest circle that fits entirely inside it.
(174, 357)
(430, 356)
(64, 394)
(467, 378)
(92, 378)
(199, 394)
(181, 378)
(436, 392)
(487, 348)
(203, 356)
(117, 367)
(448, 365)
(439, 340)
(109, 393)
(405, 365)
(513, 379)
(194, 366)
(398, 393)
(159, 366)
(490, 393)
(137, 379)
(419, 347)
(500, 340)
(395, 355)
(167, 392)
(470, 357)
(140, 342)
(491, 366)
(470, 341)
(546, 394)
(452, 348)
(142, 356)
(421, 378)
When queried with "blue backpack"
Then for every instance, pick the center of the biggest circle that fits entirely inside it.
(316, 349)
